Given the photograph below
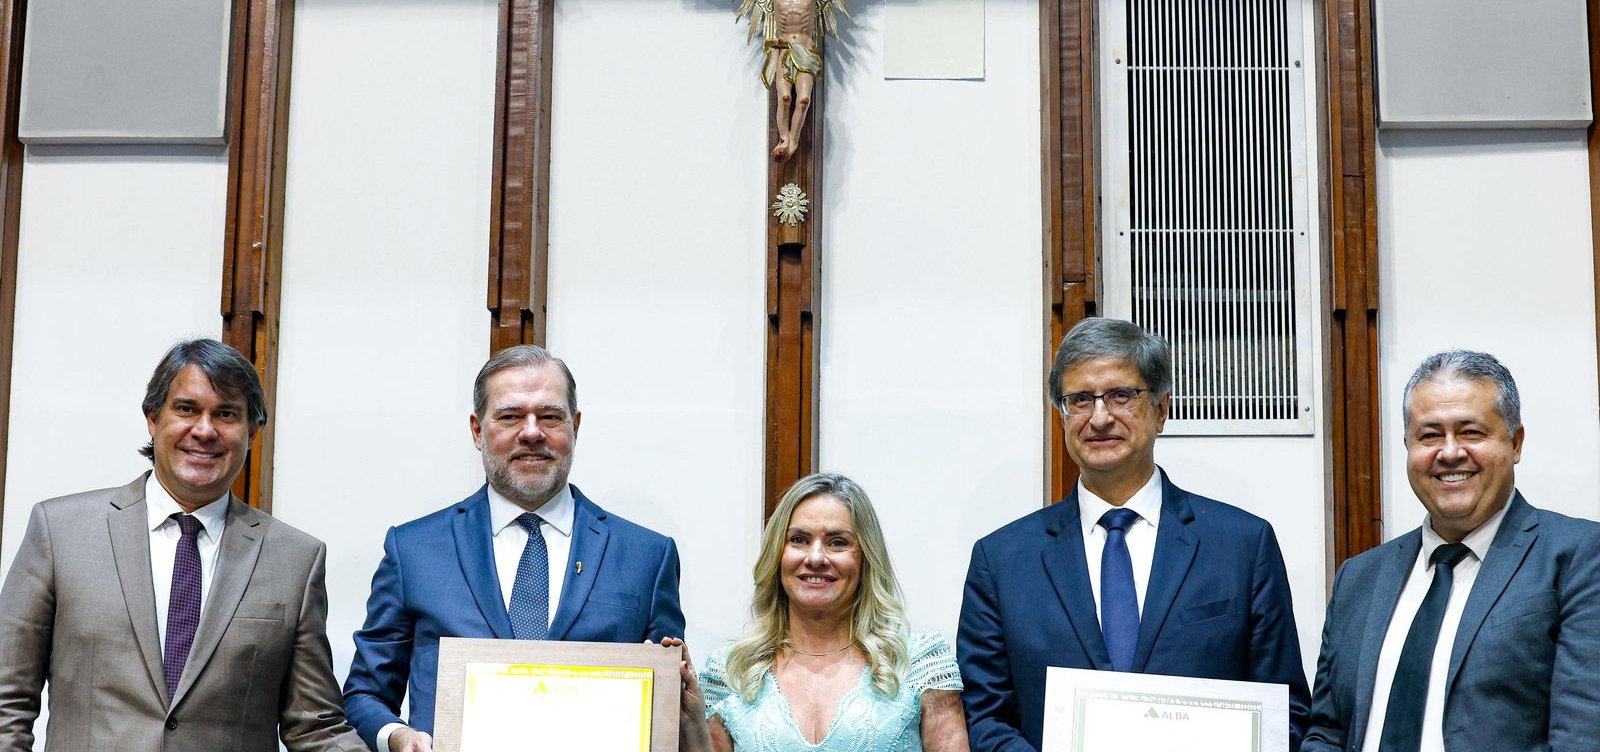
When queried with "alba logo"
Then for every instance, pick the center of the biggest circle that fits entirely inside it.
(1166, 715)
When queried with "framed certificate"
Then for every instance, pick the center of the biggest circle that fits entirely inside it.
(1091, 711)
(509, 695)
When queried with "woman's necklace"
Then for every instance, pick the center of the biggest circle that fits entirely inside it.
(840, 649)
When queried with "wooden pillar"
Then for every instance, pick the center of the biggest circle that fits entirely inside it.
(1594, 157)
(253, 235)
(794, 191)
(1067, 90)
(1357, 515)
(12, 15)
(519, 199)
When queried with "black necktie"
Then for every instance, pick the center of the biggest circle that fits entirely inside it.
(1408, 694)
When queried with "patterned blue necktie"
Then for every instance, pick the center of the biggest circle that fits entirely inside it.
(530, 596)
(1119, 603)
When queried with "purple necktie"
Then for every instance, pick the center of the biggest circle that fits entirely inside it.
(183, 607)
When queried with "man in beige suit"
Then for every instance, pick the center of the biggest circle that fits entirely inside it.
(165, 614)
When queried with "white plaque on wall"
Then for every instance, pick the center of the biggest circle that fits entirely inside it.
(940, 39)
(113, 71)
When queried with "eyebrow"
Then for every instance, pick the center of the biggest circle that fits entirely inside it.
(825, 534)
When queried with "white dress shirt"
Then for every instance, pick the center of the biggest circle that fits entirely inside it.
(509, 539)
(1405, 611)
(159, 506)
(1140, 536)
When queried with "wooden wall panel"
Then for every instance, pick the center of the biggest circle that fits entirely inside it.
(1352, 242)
(253, 242)
(1594, 157)
(12, 13)
(520, 192)
(793, 303)
(1067, 92)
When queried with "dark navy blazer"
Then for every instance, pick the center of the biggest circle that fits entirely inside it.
(1525, 666)
(1217, 606)
(437, 579)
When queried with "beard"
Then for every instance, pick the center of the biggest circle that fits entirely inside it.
(529, 492)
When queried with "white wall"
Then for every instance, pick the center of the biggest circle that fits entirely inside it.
(657, 280)
(384, 273)
(932, 302)
(121, 248)
(1484, 244)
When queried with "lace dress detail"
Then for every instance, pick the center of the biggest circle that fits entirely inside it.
(865, 720)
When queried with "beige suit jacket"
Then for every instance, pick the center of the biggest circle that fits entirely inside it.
(78, 610)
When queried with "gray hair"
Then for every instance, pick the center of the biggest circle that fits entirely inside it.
(519, 356)
(1472, 366)
(231, 375)
(1099, 337)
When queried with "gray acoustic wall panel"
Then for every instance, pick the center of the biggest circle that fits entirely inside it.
(1482, 64)
(125, 71)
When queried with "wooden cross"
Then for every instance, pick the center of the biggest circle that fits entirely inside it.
(794, 234)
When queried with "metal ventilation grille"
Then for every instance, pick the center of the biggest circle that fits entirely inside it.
(1211, 213)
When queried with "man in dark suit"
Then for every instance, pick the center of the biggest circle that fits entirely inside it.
(166, 614)
(1129, 572)
(1479, 630)
(526, 557)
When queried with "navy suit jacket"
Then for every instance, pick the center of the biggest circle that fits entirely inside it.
(437, 579)
(1217, 606)
(1525, 667)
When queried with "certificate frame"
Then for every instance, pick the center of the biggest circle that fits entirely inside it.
(456, 653)
(1172, 704)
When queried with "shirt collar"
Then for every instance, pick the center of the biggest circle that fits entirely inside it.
(1477, 541)
(159, 506)
(557, 512)
(1146, 502)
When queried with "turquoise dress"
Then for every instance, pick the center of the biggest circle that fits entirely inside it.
(865, 720)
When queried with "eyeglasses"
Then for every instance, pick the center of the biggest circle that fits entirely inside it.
(1120, 400)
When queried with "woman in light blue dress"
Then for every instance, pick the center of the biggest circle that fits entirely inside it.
(829, 663)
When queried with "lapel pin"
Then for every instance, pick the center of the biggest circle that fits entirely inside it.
(580, 567)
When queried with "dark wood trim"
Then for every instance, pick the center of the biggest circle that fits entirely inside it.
(12, 13)
(793, 303)
(1594, 156)
(1067, 92)
(519, 200)
(1352, 242)
(253, 236)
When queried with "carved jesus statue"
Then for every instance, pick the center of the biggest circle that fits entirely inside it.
(789, 29)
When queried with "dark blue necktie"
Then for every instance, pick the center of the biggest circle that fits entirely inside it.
(1119, 602)
(530, 595)
(1408, 693)
(183, 602)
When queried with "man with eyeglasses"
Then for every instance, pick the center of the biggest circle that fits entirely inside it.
(1129, 572)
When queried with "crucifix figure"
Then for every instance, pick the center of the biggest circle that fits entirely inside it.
(789, 30)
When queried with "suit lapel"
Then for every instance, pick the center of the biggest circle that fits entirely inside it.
(1068, 570)
(236, 562)
(1506, 554)
(1391, 578)
(1175, 551)
(129, 526)
(590, 534)
(475, 549)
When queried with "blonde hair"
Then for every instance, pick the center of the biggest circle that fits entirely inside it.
(877, 617)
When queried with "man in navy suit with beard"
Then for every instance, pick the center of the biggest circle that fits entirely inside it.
(527, 556)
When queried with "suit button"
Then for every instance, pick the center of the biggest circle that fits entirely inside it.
(172, 725)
